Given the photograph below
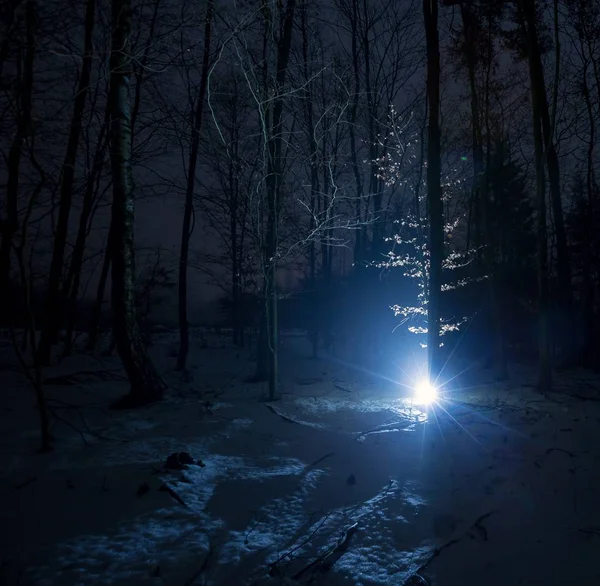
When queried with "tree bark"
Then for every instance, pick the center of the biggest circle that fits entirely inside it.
(434, 190)
(146, 386)
(187, 228)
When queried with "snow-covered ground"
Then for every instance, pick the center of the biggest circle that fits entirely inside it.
(341, 482)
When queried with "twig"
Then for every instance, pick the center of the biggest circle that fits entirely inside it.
(166, 488)
(26, 483)
(326, 561)
(287, 555)
(206, 562)
(438, 550)
(550, 450)
(284, 417)
(69, 424)
(321, 459)
(396, 425)
(87, 429)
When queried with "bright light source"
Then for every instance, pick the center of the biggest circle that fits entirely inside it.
(425, 393)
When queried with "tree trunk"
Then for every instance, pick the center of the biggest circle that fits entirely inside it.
(89, 197)
(563, 264)
(434, 190)
(480, 191)
(99, 300)
(146, 384)
(53, 310)
(589, 312)
(262, 346)
(186, 230)
(359, 242)
(237, 311)
(273, 195)
(10, 226)
(236, 316)
(314, 190)
(35, 373)
(544, 370)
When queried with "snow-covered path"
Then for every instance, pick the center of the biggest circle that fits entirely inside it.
(494, 488)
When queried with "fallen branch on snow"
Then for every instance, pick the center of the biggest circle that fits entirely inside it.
(275, 567)
(205, 565)
(166, 488)
(284, 417)
(476, 526)
(326, 561)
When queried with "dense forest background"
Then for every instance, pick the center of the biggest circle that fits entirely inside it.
(377, 173)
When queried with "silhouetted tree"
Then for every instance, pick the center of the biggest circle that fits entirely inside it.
(9, 224)
(435, 208)
(146, 384)
(53, 310)
(186, 230)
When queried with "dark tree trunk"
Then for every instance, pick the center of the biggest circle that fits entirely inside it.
(52, 309)
(74, 277)
(142, 68)
(146, 384)
(544, 370)
(10, 226)
(35, 374)
(99, 300)
(262, 347)
(273, 196)
(6, 38)
(315, 308)
(563, 264)
(359, 242)
(434, 190)
(236, 316)
(590, 342)
(186, 230)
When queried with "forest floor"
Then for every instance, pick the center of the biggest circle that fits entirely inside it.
(341, 482)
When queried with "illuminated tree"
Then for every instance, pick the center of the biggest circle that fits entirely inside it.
(405, 164)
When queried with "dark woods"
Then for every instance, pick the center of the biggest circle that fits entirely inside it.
(379, 175)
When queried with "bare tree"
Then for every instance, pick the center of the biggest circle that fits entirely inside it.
(434, 191)
(529, 22)
(537, 104)
(476, 47)
(10, 224)
(273, 129)
(53, 311)
(186, 231)
(230, 172)
(146, 384)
